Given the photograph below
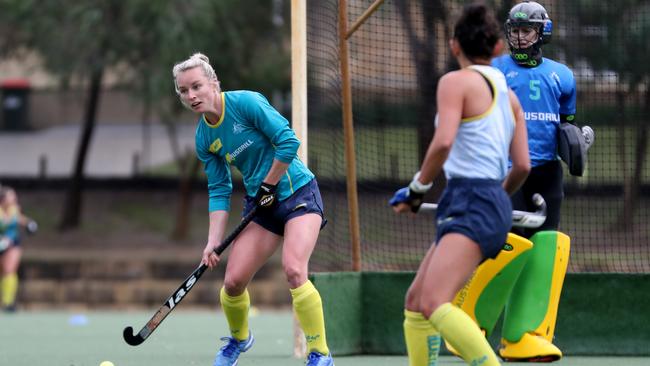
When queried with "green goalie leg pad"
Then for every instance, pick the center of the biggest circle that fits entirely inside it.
(534, 301)
(484, 296)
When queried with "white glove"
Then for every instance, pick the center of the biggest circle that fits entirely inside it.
(32, 227)
(588, 134)
(418, 187)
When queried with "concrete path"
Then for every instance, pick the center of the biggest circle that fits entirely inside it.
(116, 150)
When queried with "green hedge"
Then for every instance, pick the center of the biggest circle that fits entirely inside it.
(600, 314)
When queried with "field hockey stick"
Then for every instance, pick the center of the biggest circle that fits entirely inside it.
(519, 218)
(183, 290)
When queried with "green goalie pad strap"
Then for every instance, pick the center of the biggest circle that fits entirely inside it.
(534, 301)
(484, 295)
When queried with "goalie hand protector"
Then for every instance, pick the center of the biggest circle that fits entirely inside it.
(588, 134)
(572, 147)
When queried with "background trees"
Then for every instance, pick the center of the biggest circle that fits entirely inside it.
(611, 39)
(141, 40)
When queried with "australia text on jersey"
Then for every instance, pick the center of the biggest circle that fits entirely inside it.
(539, 116)
(238, 150)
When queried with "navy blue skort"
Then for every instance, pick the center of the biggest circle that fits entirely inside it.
(477, 208)
(307, 199)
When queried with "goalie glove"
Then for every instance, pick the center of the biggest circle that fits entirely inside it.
(573, 143)
(589, 136)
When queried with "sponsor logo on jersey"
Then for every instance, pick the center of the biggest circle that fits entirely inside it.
(215, 146)
(512, 74)
(237, 128)
(539, 116)
(230, 157)
(555, 76)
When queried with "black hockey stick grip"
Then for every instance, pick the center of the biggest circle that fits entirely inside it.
(230, 238)
(184, 289)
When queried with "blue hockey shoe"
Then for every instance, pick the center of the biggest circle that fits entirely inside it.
(317, 359)
(228, 355)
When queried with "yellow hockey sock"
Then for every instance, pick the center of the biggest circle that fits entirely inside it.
(9, 289)
(236, 310)
(422, 340)
(464, 335)
(309, 309)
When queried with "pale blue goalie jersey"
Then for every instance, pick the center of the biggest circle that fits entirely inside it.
(545, 92)
(482, 144)
(249, 135)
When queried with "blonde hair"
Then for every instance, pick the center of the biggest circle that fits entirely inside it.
(6, 192)
(196, 60)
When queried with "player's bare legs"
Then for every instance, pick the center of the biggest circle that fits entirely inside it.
(300, 237)
(455, 258)
(252, 249)
(249, 253)
(444, 270)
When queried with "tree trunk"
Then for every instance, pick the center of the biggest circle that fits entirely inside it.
(620, 132)
(188, 176)
(73, 202)
(424, 54)
(168, 119)
(633, 182)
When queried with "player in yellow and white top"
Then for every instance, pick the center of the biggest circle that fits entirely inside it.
(479, 126)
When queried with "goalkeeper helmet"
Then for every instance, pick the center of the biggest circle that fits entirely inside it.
(527, 28)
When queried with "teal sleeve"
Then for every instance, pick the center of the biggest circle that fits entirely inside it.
(11, 230)
(275, 127)
(217, 172)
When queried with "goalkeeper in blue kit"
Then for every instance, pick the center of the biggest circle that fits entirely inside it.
(479, 126)
(529, 287)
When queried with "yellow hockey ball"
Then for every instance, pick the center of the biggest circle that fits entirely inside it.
(106, 363)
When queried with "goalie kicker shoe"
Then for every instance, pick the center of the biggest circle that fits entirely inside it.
(228, 355)
(530, 348)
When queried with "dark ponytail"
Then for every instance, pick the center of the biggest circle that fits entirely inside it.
(477, 31)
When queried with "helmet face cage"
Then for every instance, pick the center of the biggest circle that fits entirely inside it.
(533, 16)
(517, 41)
